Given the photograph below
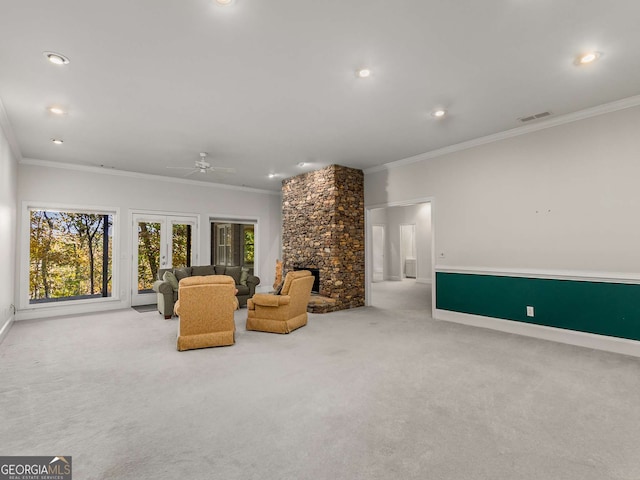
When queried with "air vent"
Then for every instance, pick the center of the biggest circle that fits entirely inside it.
(534, 117)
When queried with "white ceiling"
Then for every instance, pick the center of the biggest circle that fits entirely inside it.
(265, 84)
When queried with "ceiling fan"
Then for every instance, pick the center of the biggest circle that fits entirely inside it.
(202, 166)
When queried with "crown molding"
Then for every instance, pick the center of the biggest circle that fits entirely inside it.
(514, 132)
(143, 176)
(5, 126)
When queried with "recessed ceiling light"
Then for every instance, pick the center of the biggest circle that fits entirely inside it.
(363, 73)
(56, 110)
(272, 175)
(57, 141)
(439, 113)
(586, 58)
(224, 3)
(56, 58)
(301, 164)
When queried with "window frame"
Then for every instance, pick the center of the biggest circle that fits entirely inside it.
(25, 255)
(231, 219)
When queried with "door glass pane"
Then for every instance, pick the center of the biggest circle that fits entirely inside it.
(181, 245)
(148, 255)
(248, 244)
(224, 245)
(227, 245)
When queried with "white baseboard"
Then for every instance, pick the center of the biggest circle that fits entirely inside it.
(59, 310)
(571, 337)
(423, 280)
(5, 328)
(395, 278)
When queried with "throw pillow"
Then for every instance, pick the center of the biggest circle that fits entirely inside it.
(219, 269)
(203, 270)
(233, 272)
(278, 289)
(181, 273)
(171, 279)
(244, 274)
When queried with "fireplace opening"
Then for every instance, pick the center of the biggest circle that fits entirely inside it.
(316, 274)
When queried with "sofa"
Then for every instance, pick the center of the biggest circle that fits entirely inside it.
(167, 287)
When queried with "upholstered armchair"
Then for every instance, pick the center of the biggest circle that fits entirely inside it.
(205, 306)
(282, 313)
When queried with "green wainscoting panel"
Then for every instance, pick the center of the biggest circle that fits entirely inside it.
(595, 307)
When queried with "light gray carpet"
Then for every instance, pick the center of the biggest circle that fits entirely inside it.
(379, 392)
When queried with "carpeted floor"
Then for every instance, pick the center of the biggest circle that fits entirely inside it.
(380, 392)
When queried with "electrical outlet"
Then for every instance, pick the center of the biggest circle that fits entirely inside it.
(530, 312)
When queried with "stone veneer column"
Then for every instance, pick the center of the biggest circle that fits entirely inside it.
(323, 228)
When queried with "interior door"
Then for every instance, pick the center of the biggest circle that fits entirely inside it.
(160, 241)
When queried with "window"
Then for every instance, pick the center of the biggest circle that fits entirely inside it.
(232, 243)
(223, 252)
(248, 247)
(70, 255)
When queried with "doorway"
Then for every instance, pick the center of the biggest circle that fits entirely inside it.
(159, 241)
(408, 263)
(408, 248)
(378, 253)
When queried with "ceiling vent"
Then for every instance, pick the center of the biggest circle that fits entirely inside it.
(534, 117)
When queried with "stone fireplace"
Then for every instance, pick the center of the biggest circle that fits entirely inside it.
(323, 229)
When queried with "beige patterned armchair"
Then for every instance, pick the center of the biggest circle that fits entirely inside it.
(285, 312)
(205, 306)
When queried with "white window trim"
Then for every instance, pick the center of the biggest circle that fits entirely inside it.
(25, 251)
(248, 220)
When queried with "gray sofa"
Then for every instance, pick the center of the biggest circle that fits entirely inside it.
(245, 281)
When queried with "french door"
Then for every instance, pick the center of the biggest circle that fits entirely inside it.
(160, 241)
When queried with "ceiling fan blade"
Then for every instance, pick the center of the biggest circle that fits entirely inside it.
(222, 170)
(180, 168)
(190, 173)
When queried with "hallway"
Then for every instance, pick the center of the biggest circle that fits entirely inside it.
(406, 294)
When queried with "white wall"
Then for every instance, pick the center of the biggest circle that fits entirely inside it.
(38, 185)
(392, 217)
(8, 198)
(563, 198)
